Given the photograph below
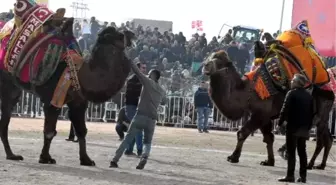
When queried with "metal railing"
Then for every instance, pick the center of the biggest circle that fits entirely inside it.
(177, 111)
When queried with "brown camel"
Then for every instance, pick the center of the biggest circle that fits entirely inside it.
(234, 95)
(100, 77)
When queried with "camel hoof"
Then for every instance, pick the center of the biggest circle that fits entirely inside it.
(267, 163)
(232, 159)
(310, 166)
(87, 163)
(47, 160)
(319, 167)
(15, 157)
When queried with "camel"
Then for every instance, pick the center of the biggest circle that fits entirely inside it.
(233, 95)
(99, 77)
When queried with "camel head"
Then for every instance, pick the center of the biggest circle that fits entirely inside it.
(217, 61)
(121, 40)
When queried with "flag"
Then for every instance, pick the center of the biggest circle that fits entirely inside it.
(198, 25)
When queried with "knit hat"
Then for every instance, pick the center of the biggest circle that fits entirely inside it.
(300, 80)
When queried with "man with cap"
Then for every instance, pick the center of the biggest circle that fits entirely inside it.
(297, 111)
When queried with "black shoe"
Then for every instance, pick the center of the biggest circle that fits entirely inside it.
(129, 154)
(113, 164)
(200, 131)
(206, 131)
(287, 179)
(142, 163)
(302, 180)
(70, 139)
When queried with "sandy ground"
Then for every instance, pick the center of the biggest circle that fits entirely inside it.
(179, 157)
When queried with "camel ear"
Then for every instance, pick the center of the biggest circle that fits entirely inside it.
(221, 55)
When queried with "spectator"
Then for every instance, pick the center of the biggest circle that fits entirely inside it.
(77, 29)
(122, 123)
(233, 51)
(298, 111)
(228, 37)
(145, 55)
(86, 28)
(133, 90)
(243, 58)
(203, 105)
(94, 28)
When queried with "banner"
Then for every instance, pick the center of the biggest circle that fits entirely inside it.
(198, 25)
(322, 23)
(44, 3)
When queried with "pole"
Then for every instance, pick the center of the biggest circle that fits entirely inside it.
(282, 14)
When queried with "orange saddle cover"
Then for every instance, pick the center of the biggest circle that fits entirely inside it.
(298, 41)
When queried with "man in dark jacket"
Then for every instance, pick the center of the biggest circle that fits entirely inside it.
(203, 105)
(122, 123)
(233, 51)
(297, 110)
(133, 90)
(243, 58)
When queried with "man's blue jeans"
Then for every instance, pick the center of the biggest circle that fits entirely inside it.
(202, 117)
(130, 112)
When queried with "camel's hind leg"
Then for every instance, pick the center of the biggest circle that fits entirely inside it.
(10, 95)
(323, 140)
(269, 140)
(250, 126)
(324, 101)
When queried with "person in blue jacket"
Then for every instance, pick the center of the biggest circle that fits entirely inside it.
(203, 105)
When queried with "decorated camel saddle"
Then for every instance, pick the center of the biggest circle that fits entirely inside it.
(35, 42)
(292, 52)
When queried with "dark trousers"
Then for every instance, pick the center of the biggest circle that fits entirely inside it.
(292, 143)
(120, 129)
(72, 132)
(333, 122)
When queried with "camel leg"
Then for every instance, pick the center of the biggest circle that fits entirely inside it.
(77, 117)
(266, 130)
(251, 125)
(327, 144)
(51, 114)
(318, 149)
(10, 95)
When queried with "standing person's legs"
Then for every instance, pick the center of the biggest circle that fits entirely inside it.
(133, 129)
(120, 129)
(200, 118)
(130, 112)
(301, 148)
(149, 127)
(333, 122)
(291, 147)
(206, 118)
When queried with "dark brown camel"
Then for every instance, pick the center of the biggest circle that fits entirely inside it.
(234, 95)
(101, 76)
